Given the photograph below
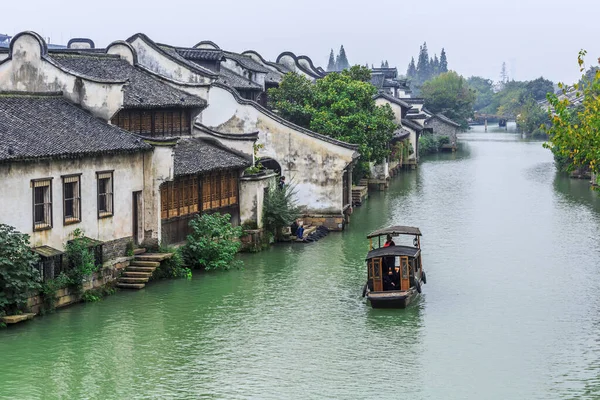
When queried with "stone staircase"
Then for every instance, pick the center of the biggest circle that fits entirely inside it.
(140, 269)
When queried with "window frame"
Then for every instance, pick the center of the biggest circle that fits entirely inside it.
(77, 219)
(111, 213)
(48, 224)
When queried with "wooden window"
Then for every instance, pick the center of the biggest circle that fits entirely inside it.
(42, 204)
(180, 197)
(159, 123)
(135, 122)
(105, 194)
(71, 199)
(146, 123)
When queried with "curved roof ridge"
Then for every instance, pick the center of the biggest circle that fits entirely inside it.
(232, 136)
(278, 67)
(285, 122)
(210, 42)
(300, 66)
(155, 46)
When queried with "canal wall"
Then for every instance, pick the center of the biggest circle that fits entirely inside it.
(66, 296)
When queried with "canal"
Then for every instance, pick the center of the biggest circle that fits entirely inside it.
(511, 309)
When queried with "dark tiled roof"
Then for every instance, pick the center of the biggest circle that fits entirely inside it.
(228, 77)
(195, 156)
(377, 80)
(411, 124)
(416, 116)
(247, 62)
(200, 54)
(48, 126)
(414, 100)
(389, 73)
(401, 134)
(443, 118)
(393, 99)
(173, 53)
(391, 83)
(143, 89)
(274, 76)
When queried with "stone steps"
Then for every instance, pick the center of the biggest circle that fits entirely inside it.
(137, 252)
(133, 280)
(153, 264)
(137, 274)
(140, 270)
(131, 285)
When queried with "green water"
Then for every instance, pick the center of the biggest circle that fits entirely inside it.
(511, 309)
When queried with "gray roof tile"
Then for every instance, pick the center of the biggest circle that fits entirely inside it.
(196, 156)
(228, 77)
(143, 90)
(247, 62)
(48, 126)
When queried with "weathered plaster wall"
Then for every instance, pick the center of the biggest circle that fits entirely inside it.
(395, 108)
(290, 63)
(244, 146)
(442, 129)
(314, 165)
(256, 77)
(252, 190)
(17, 209)
(27, 71)
(158, 168)
(412, 138)
(156, 61)
(379, 171)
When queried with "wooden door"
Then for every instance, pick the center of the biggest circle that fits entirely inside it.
(375, 274)
(138, 218)
(404, 273)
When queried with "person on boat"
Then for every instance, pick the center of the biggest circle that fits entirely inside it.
(389, 242)
(389, 280)
(300, 232)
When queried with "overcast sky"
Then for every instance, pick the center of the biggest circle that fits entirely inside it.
(534, 37)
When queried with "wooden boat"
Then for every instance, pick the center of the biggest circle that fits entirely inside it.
(402, 265)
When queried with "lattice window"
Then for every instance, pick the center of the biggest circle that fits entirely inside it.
(42, 204)
(105, 194)
(71, 199)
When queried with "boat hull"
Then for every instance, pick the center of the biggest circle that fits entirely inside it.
(391, 299)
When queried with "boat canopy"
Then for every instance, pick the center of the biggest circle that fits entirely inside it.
(394, 251)
(396, 230)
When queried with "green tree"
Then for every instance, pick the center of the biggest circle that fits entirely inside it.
(435, 65)
(341, 106)
(411, 72)
(483, 90)
(213, 242)
(342, 61)
(450, 94)
(574, 133)
(18, 278)
(539, 88)
(443, 62)
(531, 117)
(279, 209)
(423, 70)
(331, 63)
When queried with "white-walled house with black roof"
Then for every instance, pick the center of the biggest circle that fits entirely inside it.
(321, 167)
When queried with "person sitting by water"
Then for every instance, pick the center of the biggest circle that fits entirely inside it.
(300, 232)
(389, 242)
(389, 281)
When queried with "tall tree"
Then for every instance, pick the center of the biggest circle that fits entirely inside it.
(387, 65)
(331, 63)
(411, 72)
(449, 94)
(423, 64)
(503, 73)
(343, 60)
(382, 64)
(484, 90)
(435, 65)
(443, 62)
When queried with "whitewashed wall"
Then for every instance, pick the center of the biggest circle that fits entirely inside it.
(16, 207)
(27, 71)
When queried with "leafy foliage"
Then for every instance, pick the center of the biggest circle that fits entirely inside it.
(341, 106)
(426, 67)
(331, 63)
(81, 258)
(430, 144)
(574, 133)
(49, 289)
(213, 242)
(172, 267)
(450, 94)
(98, 294)
(484, 91)
(531, 118)
(18, 276)
(279, 208)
